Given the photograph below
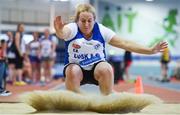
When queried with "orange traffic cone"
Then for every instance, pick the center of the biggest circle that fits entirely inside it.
(139, 85)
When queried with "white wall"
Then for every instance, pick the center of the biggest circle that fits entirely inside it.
(36, 14)
(148, 22)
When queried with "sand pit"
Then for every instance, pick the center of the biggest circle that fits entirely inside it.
(69, 101)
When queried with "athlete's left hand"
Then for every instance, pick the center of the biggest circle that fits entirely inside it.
(160, 47)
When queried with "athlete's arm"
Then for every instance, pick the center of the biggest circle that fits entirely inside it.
(134, 47)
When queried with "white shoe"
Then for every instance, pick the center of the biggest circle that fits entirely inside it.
(5, 93)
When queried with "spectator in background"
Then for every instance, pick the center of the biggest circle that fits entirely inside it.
(127, 64)
(54, 44)
(3, 67)
(34, 56)
(47, 47)
(11, 56)
(165, 59)
(20, 51)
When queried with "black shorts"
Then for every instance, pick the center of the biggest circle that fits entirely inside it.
(11, 61)
(165, 63)
(88, 75)
(19, 63)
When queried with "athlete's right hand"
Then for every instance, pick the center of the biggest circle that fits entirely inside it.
(58, 24)
(62, 31)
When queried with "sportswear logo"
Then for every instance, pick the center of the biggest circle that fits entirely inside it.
(97, 46)
(76, 46)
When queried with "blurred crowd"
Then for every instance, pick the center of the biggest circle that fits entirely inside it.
(30, 63)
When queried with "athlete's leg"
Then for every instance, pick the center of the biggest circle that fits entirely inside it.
(74, 76)
(103, 73)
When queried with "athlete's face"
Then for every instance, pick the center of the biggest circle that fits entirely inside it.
(86, 23)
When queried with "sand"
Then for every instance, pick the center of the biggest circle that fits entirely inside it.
(23, 109)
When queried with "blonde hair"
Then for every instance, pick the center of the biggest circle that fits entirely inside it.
(84, 8)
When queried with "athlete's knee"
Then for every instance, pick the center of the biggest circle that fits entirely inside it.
(103, 68)
(103, 72)
(73, 71)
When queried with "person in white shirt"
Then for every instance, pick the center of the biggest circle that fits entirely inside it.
(85, 59)
(34, 56)
(47, 53)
